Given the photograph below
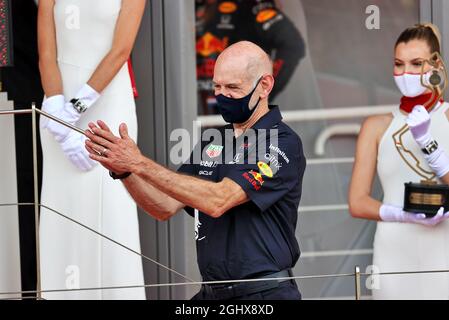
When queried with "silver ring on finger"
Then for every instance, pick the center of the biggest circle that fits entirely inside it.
(103, 153)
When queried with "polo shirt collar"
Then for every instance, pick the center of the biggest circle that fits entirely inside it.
(268, 121)
(272, 118)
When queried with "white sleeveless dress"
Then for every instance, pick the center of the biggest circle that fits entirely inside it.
(72, 257)
(408, 246)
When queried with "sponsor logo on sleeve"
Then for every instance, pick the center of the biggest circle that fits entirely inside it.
(280, 152)
(256, 179)
(274, 161)
(265, 169)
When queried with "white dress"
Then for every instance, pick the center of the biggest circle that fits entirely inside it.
(407, 246)
(72, 257)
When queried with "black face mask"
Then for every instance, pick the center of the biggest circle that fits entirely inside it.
(236, 110)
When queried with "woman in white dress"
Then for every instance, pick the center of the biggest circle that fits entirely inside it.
(83, 47)
(405, 241)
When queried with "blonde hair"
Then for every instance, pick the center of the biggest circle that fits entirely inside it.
(435, 29)
(425, 31)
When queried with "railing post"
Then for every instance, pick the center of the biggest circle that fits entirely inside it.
(36, 201)
(357, 283)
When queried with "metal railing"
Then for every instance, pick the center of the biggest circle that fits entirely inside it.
(314, 115)
(34, 111)
(37, 294)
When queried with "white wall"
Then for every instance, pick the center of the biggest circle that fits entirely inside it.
(9, 220)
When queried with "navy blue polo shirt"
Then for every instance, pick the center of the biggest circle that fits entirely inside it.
(258, 237)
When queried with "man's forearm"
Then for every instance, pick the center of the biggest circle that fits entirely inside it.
(156, 203)
(212, 198)
(194, 192)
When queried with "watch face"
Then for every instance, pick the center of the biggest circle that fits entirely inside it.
(79, 106)
(431, 147)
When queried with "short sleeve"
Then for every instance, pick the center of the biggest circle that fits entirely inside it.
(273, 174)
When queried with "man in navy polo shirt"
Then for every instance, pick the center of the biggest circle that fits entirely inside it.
(242, 185)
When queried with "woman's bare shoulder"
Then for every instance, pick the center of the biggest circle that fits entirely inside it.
(378, 122)
(374, 128)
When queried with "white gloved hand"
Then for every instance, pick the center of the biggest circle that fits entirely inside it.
(66, 111)
(439, 162)
(419, 123)
(74, 148)
(87, 95)
(68, 114)
(395, 214)
(51, 105)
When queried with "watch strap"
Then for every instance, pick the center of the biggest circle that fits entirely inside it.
(79, 105)
(119, 176)
(430, 148)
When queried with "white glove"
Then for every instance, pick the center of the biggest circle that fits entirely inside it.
(73, 147)
(68, 114)
(87, 95)
(439, 162)
(419, 123)
(394, 214)
(51, 105)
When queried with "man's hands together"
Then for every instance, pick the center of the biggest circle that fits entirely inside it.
(72, 143)
(117, 154)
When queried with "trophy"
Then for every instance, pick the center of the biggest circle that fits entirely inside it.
(427, 196)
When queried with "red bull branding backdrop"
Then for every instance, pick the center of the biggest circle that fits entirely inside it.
(5, 34)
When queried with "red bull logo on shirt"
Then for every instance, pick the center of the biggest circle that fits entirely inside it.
(254, 178)
(209, 44)
(257, 177)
